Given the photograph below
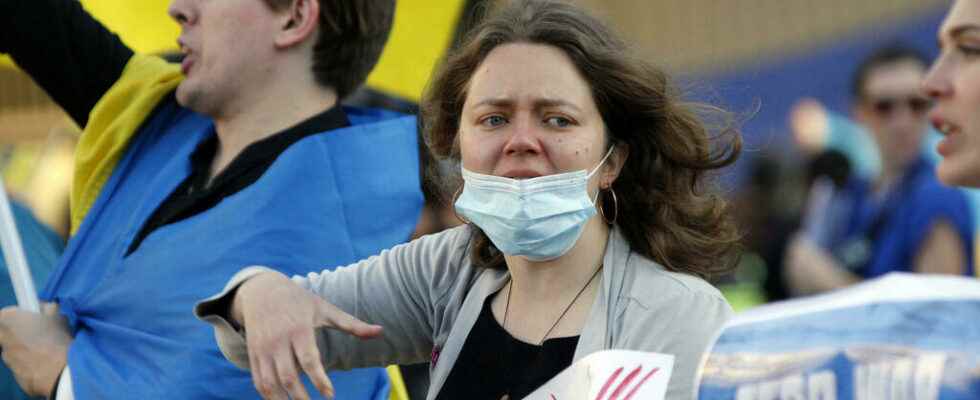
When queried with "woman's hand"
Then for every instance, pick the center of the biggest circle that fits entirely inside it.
(279, 318)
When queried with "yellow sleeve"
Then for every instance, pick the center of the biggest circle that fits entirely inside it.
(398, 390)
(113, 122)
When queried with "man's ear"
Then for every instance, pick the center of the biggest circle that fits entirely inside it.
(299, 22)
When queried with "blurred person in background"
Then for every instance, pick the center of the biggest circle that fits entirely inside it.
(592, 226)
(768, 209)
(903, 219)
(817, 128)
(850, 333)
(185, 173)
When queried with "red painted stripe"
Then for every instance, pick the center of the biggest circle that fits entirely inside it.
(625, 383)
(642, 381)
(605, 387)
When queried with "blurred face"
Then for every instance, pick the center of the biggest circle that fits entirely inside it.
(893, 108)
(954, 83)
(225, 44)
(528, 112)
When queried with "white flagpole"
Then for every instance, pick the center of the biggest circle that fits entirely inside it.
(13, 254)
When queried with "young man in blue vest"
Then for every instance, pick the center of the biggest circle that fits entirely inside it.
(186, 174)
(903, 219)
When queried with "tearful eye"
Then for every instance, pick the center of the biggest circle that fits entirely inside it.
(493, 121)
(558, 122)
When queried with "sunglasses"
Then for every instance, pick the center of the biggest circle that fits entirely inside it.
(888, 106)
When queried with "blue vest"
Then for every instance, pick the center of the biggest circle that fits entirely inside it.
(896, 228)
(330, 199)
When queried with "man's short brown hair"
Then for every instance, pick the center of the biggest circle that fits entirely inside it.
(352, 35)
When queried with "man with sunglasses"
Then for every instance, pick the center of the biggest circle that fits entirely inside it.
(902, 219)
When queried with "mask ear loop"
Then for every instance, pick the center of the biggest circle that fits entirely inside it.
(610, 189)
(455, 198)
(602, 161)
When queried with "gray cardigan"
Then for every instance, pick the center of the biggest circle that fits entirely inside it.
(427, 296)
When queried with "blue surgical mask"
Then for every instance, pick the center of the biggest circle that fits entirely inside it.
(538, 218)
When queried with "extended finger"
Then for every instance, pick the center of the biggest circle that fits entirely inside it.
(308, 358)
(265, 380)
(254, 369)
(287, 375)
(336, 318)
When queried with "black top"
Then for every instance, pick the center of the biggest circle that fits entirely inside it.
(76, 60)
(493, 363)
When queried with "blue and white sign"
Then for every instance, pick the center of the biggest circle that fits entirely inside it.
(902, 336)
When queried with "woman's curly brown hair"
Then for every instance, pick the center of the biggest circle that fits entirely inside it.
(666, 209)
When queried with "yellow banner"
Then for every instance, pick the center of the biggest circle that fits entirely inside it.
(422, 32)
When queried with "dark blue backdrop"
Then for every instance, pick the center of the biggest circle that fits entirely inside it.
(772, 86)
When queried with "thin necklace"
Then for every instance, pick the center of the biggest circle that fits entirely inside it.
(565, 311)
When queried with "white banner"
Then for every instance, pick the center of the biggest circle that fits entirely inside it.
(611, 374)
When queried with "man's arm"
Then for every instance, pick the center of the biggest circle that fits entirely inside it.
(811, 270)
(67, 52)
(941, 252)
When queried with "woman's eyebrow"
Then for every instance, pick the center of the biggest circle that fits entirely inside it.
(538, 103)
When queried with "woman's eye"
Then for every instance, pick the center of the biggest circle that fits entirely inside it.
(493, 121)
(558, 122)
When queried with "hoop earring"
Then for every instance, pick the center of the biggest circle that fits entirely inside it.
(453, 205)
(615, 208)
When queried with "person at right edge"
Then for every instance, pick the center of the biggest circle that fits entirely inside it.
(903, 219)
(593, 224)
(184, 173)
